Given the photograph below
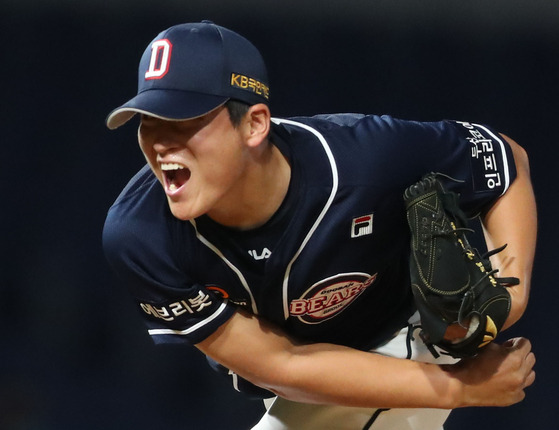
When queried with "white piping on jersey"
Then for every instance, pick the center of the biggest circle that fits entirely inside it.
(235, 380)
(325, 209)
(505, 160)
(226, 261)
(333, 193)
(195, 327)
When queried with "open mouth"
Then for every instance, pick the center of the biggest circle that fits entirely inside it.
(175, 175)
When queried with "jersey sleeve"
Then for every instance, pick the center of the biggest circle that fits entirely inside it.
(139, 246)
(476, 157)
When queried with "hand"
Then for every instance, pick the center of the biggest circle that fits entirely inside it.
(497, 376)
(456, 332)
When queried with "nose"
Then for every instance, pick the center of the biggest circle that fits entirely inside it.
(163, 146)
(158, 138)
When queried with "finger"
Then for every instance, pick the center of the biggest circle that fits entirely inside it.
(511, 342)
(531, 359)
(525, 346)
(530, 379)
(518, 343)
(530, 373)
(530, 362)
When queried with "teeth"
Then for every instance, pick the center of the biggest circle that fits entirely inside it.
(172, 187)
(171, 166)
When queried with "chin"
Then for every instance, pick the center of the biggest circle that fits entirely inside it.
(182, 216)
(181, 213)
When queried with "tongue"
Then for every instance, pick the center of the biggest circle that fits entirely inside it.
(179, 177)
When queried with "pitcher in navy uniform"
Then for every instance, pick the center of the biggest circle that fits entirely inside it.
(279, 247)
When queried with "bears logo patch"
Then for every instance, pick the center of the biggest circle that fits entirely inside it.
(329, 297)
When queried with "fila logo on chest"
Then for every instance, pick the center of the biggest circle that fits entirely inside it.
(266, 253)
(362, 226)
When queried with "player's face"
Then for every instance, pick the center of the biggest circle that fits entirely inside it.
(200, 162)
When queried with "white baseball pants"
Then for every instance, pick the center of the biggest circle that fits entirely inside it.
(287, 415)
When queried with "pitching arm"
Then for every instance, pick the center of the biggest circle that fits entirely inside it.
(333, 374)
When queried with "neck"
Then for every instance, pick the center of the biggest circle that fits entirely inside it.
(260, 193)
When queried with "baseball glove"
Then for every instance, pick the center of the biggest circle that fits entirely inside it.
(451, 282)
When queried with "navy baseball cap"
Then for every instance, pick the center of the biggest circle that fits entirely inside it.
(190, 69)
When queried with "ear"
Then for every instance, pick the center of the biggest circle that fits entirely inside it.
(257, 125)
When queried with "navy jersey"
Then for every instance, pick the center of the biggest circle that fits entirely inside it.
(331, 264)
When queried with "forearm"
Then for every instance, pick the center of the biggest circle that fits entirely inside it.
(326, 373)
(330, 374)
(513, 221)
(333, 374)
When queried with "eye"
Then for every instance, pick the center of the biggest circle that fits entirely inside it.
(146, 119)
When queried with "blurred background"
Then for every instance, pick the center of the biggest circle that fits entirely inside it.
(74, 352)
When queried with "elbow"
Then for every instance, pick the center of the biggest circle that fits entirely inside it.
(519, 303)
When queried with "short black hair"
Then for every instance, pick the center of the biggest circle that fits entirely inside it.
(237, 110)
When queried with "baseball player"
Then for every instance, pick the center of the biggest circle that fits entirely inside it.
(280, 249)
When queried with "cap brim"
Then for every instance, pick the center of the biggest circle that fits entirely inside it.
(165, 104)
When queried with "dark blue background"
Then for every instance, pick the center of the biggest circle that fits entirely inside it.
(74, 353)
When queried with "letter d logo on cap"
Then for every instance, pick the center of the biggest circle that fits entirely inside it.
(160, 58)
